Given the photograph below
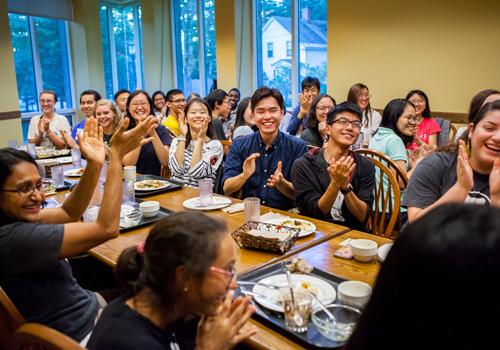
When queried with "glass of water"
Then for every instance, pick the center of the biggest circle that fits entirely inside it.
(206, 196)
(76, 157)
(58, 175)
(252, 209)
(297, 309)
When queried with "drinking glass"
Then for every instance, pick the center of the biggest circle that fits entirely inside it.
(128, 195)
(297, 309)
(252, 209)
(58, 175)
(41, 168)
(76, 156)
(206, 196)
(31, 148)
(129, 173)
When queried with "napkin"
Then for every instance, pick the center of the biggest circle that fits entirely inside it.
(234, 208)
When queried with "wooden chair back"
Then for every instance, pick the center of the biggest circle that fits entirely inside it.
(34, 336)
(226, 145)
(384, 216)
(10, 319)
(453, 132)
(370, 153)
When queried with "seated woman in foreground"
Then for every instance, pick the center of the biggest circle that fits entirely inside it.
(468, 172)
(333, 183)
(185, 267)
(195, 155)
(35, 241)
(436, 287)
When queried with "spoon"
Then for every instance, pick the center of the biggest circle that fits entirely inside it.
(324, 308)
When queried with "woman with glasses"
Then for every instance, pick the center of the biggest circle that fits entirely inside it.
(45, 130)
(149, 158)
(160, 105)
(182, 272)
(465, 172)
(427, 129)
(333, 183)
(35, 241)
(359, 94)
(315, 132)
(195, 155)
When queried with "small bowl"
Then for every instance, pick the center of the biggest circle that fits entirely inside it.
(354, 293)
(340, 331)
(132, 218)
(363, 250)
(149, 208)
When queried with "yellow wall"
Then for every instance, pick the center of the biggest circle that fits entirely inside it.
(225, 36)
(449, 49)
(9, 129)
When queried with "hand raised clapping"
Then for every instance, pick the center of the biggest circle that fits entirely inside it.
(341, 170)
(277, 178)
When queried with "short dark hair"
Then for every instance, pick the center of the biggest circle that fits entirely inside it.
(392, 112)
(171, 93)
(210, 129)
(435, 276)
(119, 92)
(427, 110)
(52, 92)
(312, 121)
(186, 239)
(235, 89)
(132, 123)
(346, 106)
(264, 92)
(308, 82)
(216, 97)
(97, 95)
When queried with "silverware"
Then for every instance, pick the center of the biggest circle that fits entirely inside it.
(324, 308)
(270, 286)
(266, 298)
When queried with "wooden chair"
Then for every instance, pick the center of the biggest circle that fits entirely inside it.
(34, 336)
(226, 144)
(385, 212)
(370, 153)
(10, 319)
(453, 132)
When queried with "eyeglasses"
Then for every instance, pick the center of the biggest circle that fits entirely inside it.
(417, 102)
(411, 119)
(323, 109)
(365, 96)
(26, 191)
(343, 122)
(230, 274)
(179, 100)
(137, 104)
(47, 101)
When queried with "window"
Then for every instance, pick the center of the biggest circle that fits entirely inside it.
(42, 61)
(194, 42)
(297, 29)
(269, 50)
(121, 46)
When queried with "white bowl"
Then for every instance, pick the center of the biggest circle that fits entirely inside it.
(149, 208)
(363, 250)
(354, 293)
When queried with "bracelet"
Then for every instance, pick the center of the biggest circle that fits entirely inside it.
(181, 138)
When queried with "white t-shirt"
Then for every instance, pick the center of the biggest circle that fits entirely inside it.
(211, 158)
(58, 123)
(367, 130)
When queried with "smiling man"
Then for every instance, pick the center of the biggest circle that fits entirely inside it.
(88, 99)
(260, 163)
(333, 183)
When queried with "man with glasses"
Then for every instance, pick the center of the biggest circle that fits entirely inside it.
(45, 130)
(333, 183)
(310, 89)
(260, 163)
(175, 104)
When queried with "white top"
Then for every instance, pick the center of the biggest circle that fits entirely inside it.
(368, 130)
(211, 158)
(242, 130)
(58, 123)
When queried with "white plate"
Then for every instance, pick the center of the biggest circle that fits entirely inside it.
(383, 251)
(73, 172)
(326, 292)
(309, 227)
(219, 202)
(163, 184)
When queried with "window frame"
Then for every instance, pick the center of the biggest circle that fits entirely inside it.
(270, 49)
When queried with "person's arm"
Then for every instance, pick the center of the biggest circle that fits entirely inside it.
(198, 146)
(35, 134)
(181, 143)
(360, 202)
(280, 183)
(433, 139)
(235, 183)
(210, 161)
(80, 237)
(70, 142)
(457, 193)
(340, 172)
(295, 121)
(495, 183)
(132, 157)
(56, 140)
(160, 149)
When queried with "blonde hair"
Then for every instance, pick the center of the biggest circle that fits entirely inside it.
(117, 116)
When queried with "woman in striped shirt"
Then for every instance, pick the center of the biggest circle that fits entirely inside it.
(195, 155)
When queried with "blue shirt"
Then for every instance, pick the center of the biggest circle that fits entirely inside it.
(285, 148)
(294, 124)
(79, 126)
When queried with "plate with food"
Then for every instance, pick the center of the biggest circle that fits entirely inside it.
(383, 251)
(272, 298)
(217, 203)
(150, 185)
(78, 172)
(305, 227)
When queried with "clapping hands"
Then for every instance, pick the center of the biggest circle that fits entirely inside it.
(342, 170)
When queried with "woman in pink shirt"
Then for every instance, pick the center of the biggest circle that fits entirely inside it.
(427, 129)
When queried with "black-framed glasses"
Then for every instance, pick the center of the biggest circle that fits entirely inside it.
(26, 191)
(343, 122)
(231, 274)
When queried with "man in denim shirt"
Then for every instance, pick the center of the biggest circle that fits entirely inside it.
(260, 163)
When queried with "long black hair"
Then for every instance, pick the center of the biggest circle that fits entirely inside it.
(210, 128)
(392, 112)
(133, 123)
(426, 113)
(186, 239)
(312, 120)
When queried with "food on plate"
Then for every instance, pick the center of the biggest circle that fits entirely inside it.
(299, 265)
(301, 225)
(49, 188)
(150, 184)
(308, 287)
(78, 171)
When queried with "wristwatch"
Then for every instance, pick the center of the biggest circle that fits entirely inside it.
(347, 189)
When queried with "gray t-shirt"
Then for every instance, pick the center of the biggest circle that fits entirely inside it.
(435, 175)
(39, 283)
